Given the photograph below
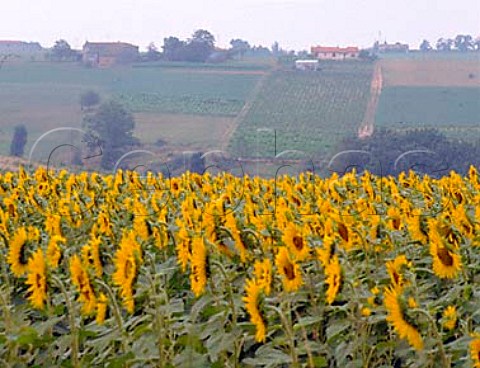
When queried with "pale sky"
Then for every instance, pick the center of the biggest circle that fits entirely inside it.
(295, 24)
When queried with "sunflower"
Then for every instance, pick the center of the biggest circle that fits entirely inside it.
(17, 252)
(450, 317)
(126, 269)
(396, 316)
(183, 247)
(333, 274)
(326, 253)
(54, 253)
(295, 241)
(101, 308)
(252, 303)
(198, 277)
(395, 268)
(231, 224)
(289, 270)
(53, 224)
(37, 279)
(446, 263)
(91, 255)
(263, 275)
(475, 352)
(81, 280)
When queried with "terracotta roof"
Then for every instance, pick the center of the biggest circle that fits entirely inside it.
(317, 49)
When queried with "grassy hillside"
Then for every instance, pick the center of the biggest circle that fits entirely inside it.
(310, 111)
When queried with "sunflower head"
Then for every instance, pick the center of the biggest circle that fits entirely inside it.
(289, 270)
(450, 317)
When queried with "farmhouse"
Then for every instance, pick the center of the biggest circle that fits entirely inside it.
(106, 54)
(306, 65)
(335, 53)
(391, 47)
(19, 47)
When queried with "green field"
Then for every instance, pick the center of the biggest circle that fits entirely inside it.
(453, 110)
(46, 95)
(429, 106)
(310, 111)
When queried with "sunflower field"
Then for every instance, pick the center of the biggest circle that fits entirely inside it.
(124, 270)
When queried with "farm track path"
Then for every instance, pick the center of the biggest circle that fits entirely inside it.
(367, 126)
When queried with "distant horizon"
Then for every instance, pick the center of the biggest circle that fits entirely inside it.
(159, 46)
(294, 24)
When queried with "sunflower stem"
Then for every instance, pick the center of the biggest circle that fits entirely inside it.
(289, 333)
(229, 289)
(116, 312)
(441, 350)
(73, 326)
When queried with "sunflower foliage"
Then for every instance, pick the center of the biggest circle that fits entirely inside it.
(221, 271)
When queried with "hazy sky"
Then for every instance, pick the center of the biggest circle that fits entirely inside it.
(296, 24)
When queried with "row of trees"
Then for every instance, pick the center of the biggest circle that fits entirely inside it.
(460, 43)
(430, 152)
(200, 48)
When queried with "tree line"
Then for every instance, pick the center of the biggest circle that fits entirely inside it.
(424, 150)
(460, 43)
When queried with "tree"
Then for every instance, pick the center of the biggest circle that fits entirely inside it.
(19, 141)
(200, 46)
(173, 48)
(425, 46)
(61, 51)
(203, 36)
(152, 52)
(476, 44)
(112, 126)
(444, 44)
(239, 47)
(463, 42)
(89, 99)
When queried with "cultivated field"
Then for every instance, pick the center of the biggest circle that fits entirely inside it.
(310, 111)
(430, 90)
(46, 95)
(431, 73)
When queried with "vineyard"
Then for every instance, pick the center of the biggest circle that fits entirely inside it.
(221, 271)
(309, 111)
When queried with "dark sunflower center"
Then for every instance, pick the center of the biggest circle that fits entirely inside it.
(298, 242)
(23, 255)
(343, 231)
(38, 281)
(445, 257)
(396, 223)
(396, 277)
(289, 272)
(128, 268)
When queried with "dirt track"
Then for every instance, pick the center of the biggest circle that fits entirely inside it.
(367, 126)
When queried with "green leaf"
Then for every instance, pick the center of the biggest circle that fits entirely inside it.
(119, 362)
(269, 357)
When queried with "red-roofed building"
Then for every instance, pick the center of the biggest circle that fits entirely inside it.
(335, 53)
(105, 54)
